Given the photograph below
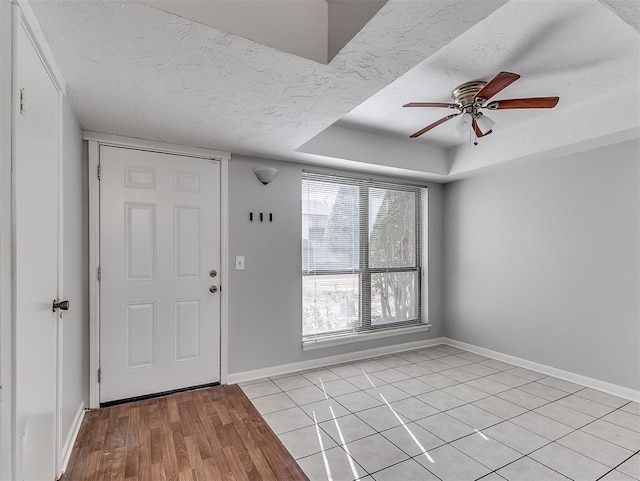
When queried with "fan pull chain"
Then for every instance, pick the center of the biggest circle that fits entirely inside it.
(473, 138)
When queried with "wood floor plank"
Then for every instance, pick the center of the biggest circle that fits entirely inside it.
(172, 406)
(195, 461)
(118, 463)
(180, 446)
(156, 445)
(184, 408)
(99, 434)
(133, 431)
(266, 474)
(212, 434)
(219, 461)
(90, 466)
(202, 440)
(235, 464)
(169, 457)
(144, 452)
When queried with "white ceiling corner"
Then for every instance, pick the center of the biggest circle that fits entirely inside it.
(627, 10)
(142, 72)
(313, 29)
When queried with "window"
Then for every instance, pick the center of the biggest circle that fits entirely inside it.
(361, 255)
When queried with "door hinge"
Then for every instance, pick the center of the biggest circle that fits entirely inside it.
(99, 375)
(99, 273)
(99, 172)
(23, 108)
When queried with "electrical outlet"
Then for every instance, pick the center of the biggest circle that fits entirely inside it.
(239, 263)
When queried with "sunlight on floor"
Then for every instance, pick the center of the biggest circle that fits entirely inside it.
(404, 425)
(322, 450)
(416, 415)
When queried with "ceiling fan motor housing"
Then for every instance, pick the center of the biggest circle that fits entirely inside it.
(463, 95)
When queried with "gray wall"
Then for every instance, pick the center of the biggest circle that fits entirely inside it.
(75, 283)
(543, 262)
(265, 300)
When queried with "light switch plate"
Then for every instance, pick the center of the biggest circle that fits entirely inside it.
(239, 263)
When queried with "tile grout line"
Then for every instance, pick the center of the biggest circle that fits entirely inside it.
(620, 464)
(565, 435)
(410, 396)
(462, 437)
(523, 455)
(457, 382)
(466, 403)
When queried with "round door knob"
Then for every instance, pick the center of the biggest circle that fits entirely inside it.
(62, 305)
(213, 289)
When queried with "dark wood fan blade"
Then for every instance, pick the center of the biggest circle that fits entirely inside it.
(497, 83)
(430, 126)
(528, 103)
(431, 104)
(476, 129)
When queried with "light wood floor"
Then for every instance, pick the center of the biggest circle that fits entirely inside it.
(205, 435)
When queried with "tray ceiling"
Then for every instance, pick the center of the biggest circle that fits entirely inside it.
(136, 70)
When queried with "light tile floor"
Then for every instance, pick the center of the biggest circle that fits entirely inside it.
(442, 413)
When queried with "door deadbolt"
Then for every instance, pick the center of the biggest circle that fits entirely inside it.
(213, 273)
(213, 289)
(62, 305)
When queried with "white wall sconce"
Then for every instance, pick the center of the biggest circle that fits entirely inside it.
(265, 174)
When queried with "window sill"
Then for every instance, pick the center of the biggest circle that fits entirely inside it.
(365, 336)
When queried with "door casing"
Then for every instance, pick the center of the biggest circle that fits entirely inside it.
(95, 140)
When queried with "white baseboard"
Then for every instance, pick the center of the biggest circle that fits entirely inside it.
(609, 388)
(72, 436)
(614, 389)
(234, 378)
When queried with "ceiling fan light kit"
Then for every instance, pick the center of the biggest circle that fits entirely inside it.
(485, 124)
(470, 97)
(464, 123)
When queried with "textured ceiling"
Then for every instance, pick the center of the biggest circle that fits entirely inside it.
(574, 50)
(314, 29)
(137, 71)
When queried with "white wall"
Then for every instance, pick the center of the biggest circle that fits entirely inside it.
(5, 241)
(75, 322)
(543, 262)
(265, 300)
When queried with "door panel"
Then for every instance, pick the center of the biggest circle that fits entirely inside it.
(35, 164)
(159, 238)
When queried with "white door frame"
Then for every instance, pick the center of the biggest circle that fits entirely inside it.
(95, 140)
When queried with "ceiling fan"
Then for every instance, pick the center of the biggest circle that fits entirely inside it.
(470, 97)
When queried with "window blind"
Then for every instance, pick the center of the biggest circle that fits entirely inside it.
(361, 254)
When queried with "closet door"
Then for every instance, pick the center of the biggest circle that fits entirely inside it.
(36, 184)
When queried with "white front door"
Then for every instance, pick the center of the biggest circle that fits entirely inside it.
(160, 262)
(35, 183)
